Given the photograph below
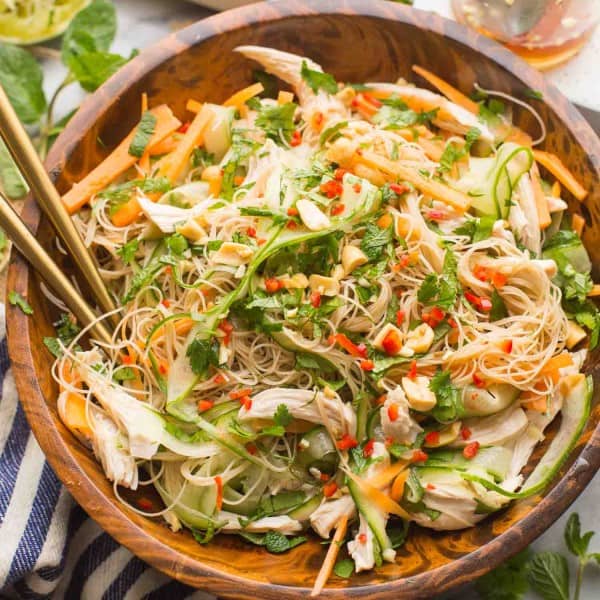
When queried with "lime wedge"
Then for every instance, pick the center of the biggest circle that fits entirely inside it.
(31, 21)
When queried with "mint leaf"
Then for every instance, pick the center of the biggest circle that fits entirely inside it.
(12, 181)
(142, 135)
(17, 300)
(53, 346)
(375, 240)
(317, 80)
(92, 69)
(21, 77)
(92, 30)
(576, 543)
(508, 581)
(549, 575)
(276, 543)
(344, 568)
(441, 290)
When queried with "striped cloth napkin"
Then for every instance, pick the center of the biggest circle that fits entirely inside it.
(50, 548)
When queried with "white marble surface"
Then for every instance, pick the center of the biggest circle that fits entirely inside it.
(142, 22)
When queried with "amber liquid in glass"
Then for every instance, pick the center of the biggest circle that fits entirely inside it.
(546, 33)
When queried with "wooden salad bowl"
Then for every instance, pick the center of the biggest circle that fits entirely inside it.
(356, 41)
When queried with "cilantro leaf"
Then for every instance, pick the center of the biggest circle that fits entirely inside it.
(549, 575)
(452, 153)
(476, 229)
(441, 290)
(506, 582)
(375, 240)
(448, 401)
(21, 77)
(471, 137)
(17, 300)
(344, 568)
(276, 543)
(127, 251)
(276, 120)
(142, 135)
(317, 80)
(282, 416)
(203, 354)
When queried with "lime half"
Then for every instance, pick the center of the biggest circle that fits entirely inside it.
(31, 21)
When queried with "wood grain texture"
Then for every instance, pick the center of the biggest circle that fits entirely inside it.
(356, 41)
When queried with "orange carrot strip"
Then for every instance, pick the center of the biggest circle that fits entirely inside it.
(182, 327)
(447, 90)
(118, 161)
(556, 189)
(193, 106)
(595, 291)
(378, 497)
(173, 164)
(518, 136)
(397, 490)
(536, 402)
(127, 213)
(384, 477)
(240, 98)
(331, 556)
(75, 416)
(165, 146)
(541, 204)
(553, 164)
(577, 223)
(551, 368)
(429, 187)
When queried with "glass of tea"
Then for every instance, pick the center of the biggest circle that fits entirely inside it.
(546, 33)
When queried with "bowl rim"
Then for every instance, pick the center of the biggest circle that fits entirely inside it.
(133, 536)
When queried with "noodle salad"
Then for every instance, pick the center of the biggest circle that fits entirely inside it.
(344, 308)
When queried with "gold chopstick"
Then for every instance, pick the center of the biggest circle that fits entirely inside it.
(32, 169)
(31, 249)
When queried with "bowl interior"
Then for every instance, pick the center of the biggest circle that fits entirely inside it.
(199, 63)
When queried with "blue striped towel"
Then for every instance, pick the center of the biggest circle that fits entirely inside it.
(50, 548)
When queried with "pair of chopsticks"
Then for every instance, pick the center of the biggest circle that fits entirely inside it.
(49, 200)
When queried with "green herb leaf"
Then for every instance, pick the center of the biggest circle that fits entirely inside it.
(534, 94)
(317, 80)
(576, 543)
(17, 300)
(508, 581)
(92, 30)
(375, 241)
(203, 537)
(276, 543)
(92, 69)
(124, 374)
(11, 180)
(449, 405)
(344, 568)
(441, 290)
(282, 416)
(549, 575)
(21, 77)
(250, 211)
(277, 120)
(203, 354)
(127, 251)
(142, 135)
(477, 229)
(53, 346)
(177, 244)
(332, 133)
(499, 310)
